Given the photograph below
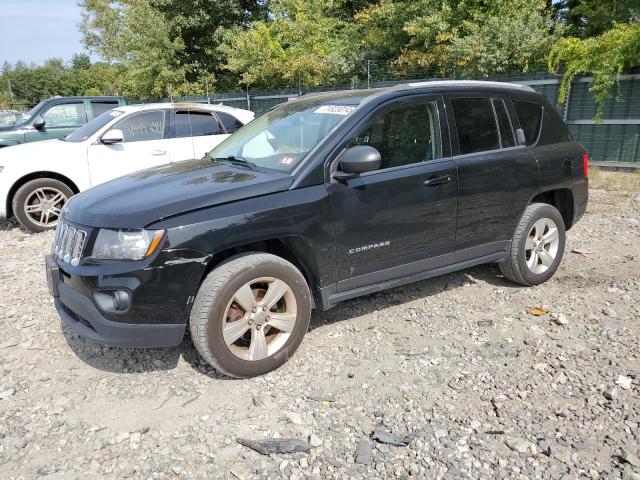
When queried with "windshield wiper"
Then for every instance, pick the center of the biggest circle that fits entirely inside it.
(237, 161)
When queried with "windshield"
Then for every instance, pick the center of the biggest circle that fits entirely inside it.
(27, 116)
(281, 138)
(88, 129)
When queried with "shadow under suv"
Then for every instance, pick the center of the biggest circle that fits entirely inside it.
(319, 200)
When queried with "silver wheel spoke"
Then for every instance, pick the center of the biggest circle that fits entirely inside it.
(245, 298)
(284, 322)
(258, 346)
(33, 208)
(539, 228)
(528, 244)
(55, 211)
(276, 291)
(42, 212)
(533, 261)
(234, 330)
(57, 198)
(546, 258)
(550, 236)
(41, 195)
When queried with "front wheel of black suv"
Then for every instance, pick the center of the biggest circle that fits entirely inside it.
(250, 314)
(537, 246)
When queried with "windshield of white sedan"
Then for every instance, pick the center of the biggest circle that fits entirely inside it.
(280, 139)
(88, 129)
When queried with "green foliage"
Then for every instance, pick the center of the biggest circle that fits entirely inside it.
(159, 48)
(605, 57)
(301, 46)
(25, 85)
(590, 18)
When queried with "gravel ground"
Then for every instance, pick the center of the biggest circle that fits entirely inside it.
(483, 387)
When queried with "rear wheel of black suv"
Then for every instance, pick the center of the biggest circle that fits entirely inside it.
(537, 246)
(250, 314)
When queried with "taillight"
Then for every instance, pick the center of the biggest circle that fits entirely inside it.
(585, 164)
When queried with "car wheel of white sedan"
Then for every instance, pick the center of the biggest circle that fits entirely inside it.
(38, 203)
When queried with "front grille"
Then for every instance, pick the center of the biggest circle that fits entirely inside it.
(68, 243)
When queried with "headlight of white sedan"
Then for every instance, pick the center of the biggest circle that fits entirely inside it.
(126, 244)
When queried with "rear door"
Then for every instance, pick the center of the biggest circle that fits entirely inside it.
(400, 219)
(98, 107)
(207, 131)
(181, 142)
(146, 144)
(496, 177)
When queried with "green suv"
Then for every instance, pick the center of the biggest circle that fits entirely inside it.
(56, 118)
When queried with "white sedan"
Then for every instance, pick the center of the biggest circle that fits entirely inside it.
(37, 179)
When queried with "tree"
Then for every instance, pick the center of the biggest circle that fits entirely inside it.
(590, 18)
(303, 45)
(605, 57)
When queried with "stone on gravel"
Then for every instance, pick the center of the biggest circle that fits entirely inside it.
(520, 445)
(611, 393)
(7, 393)
(276, 445)
(630, 458)
(624, 382)
(391, 439)
(364, 453)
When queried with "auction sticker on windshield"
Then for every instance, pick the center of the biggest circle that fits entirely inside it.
(336, 109)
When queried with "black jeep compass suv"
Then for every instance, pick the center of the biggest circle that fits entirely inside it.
(321, 199)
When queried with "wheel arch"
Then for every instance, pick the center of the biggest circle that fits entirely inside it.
(562, 200)
(32, 176)
(294, 249)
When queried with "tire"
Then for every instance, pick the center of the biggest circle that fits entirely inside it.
(217, 305)
(34, 191)
(536, 223)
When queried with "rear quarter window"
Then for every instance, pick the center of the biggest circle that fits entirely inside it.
(530, 117)
(554, 129)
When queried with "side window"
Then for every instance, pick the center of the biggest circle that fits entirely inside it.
(203, 123)
(553, 128)
(100, 107)
(142, 126)
(231, 123)
(476, 124)
(65, 115)
(182, 127)
(530, 117)
(403, 134)
(506, 131)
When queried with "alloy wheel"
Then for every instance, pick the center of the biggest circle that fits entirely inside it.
(541, 247)
(259, 318)
(44, 205)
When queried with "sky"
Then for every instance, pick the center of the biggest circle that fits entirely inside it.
(34, 30)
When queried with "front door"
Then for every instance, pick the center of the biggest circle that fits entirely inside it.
(59, 121)
(145, 144)
(401, 219)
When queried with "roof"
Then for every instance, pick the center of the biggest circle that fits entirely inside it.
(194, 105)
(467, 83)
(357, 96)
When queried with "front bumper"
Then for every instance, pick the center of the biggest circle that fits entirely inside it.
(79, 314)
(161, 299)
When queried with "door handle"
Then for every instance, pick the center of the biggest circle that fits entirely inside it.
(159, 152)
(432, 182)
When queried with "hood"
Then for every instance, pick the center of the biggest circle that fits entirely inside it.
(44, 148)
(141, 198)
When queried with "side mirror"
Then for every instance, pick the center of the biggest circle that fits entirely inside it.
(520, 138)
(112, 136)
(39, 123)
(356, 160)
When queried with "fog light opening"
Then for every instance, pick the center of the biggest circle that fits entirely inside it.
(113, 301)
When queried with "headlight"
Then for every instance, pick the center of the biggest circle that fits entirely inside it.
(126, 244)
